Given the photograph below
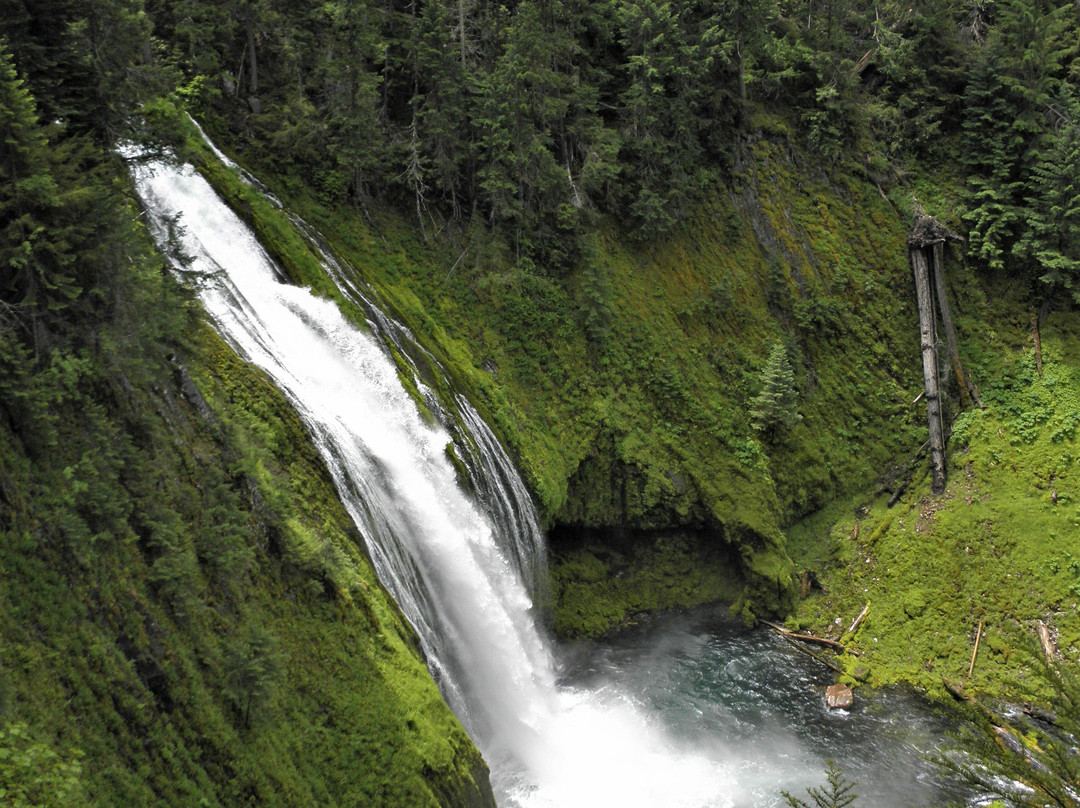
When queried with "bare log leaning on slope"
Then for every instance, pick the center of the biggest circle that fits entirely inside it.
(928, 346)
(967, 386)
(925, 246)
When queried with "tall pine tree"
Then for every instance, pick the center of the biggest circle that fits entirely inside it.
(1051, 241)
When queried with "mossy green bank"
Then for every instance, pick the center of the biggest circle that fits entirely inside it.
(190, 617)
(997, 549)
(624, 386)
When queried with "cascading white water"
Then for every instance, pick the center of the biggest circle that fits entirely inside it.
(454, 566)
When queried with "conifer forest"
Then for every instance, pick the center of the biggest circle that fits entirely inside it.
(540, 403)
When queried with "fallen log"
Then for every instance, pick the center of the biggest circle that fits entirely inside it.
(810, 638)
(968, 390)
(1046, 642)
(828, 664)
(928, 346)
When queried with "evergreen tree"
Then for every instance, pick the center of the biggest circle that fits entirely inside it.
(254, 669)
(1025, 761)
(838, 794)
(992, 148)
(776, 407)
(1007, 124)
(351, 82)
(443, 71)
(1051, 241)
(677, 57)
(36, 270)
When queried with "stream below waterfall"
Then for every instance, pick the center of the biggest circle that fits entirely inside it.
(721, 691)
(683, 712)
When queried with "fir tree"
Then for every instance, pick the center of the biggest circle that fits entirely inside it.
(776, 407)
(1051, 240)
(34, 268)
(838, 793)
(1028, 761)
(992, 147)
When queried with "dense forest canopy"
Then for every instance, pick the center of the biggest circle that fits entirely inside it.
(523, 125)
(538, 117)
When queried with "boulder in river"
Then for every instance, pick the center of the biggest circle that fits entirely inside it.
(839, 697)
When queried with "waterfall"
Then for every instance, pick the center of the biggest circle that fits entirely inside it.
(459, 566)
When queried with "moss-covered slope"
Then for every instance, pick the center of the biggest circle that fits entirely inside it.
(188, 615)
(1000, 546)
(626, 386)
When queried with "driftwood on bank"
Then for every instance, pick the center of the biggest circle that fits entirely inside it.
(857, 621)
(826, 662)
(810, 638)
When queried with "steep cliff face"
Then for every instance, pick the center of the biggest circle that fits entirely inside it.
(634, 390)
(189, 614)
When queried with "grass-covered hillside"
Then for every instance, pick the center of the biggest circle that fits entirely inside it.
(189, 616)
(999, 547)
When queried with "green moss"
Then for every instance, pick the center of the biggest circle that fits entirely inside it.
(598, 589)
(622, 388)
(199, 620)
(997, 547)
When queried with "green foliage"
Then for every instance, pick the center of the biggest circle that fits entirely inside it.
(775, 407)
(1018, 146)
(839, 793)
(993, 149)
(32, 773)
(598, 589)
(184, 598)
(530, 144)
(1001, 534)
(1052, 213)
(1020, 760)
(38, 275)
(253, 671)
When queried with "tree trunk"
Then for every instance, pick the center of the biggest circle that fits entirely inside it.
(253, 77)
(928, 343)
(1038, 344)
(967, 387)
(1045, 641)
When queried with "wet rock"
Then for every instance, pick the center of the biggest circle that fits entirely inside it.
(839, 697)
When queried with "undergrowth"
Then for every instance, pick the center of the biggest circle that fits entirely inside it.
(189, 616)
(997, 548)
